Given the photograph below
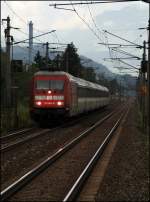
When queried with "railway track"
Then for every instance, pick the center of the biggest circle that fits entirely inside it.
(28, 177)
(6, 146)
(15, 134)
(79, 183)
(18, 138)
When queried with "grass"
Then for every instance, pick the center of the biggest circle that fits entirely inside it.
(142, 128)
(141, 120)
(11, 120)
(23, 115)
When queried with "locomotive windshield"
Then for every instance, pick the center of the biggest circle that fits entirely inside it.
(50, 84)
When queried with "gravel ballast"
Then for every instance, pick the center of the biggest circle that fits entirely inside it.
(127, 175)
(55, 182)
(27, 156)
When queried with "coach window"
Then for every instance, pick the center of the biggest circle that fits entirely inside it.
(79, 91)
(100, 94)
(84, 92)
(88, 92)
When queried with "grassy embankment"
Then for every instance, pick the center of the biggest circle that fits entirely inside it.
(18, 117)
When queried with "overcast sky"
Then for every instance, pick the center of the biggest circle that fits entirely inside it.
(123, 19)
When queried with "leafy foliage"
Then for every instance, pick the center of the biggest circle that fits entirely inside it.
(40, 62)
(38, 59)
(70, 61)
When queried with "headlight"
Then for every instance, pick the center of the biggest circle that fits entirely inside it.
(59, 103)
(39, 103)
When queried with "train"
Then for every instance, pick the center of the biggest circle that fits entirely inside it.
(57, 95)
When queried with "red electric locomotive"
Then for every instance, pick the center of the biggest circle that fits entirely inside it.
(59, 94)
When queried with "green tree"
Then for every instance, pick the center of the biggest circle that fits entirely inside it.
(38, 59)
(56, 63)
(70, 61)
(41, 62)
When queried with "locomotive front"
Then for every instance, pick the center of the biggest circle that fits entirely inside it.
(48, 99)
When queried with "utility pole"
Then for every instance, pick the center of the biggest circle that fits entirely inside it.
(148, 77)
(47, 55)
(30, 42)
(8, 63)
(120, 91)
(67, 61)
(143, 85)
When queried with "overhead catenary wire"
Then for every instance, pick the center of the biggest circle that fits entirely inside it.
(28, 35)
(90, 2)
(124, 52)
(99, 31)
(110, 52)
(20, 19)
(123, 39)
(87, 24)
(90, 26)
(128, 64)
(122, 1)
(121, 62)
(115, 48)
(23, 20)
(107, 44)
(35, 36)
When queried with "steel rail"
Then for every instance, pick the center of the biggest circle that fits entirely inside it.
(13, 134)
(21, 142)
(18, 184)
(24, 140)
(77, 186)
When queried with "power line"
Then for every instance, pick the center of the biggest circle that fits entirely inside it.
(23, 20)
(125, 52)
(119, 45)
(99, 31)
(122, 62)
(126, 68)
(28, 35)
(123, 39)
(128, 64)
(15, 13)
(87, 24)
(34, 37)
(90, 2)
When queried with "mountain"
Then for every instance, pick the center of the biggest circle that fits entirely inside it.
(99, 68)
(126, 80)
(22, 53)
